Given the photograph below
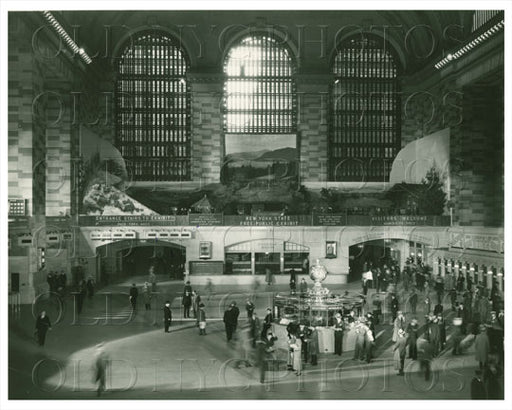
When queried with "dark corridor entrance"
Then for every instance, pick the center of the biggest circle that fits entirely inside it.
(377, 252)
(119, 260)
(168, 261)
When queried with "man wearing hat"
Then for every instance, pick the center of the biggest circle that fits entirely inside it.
(230, 320)
(167, 316)
(338, 327)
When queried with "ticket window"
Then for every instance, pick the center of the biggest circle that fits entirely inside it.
(270, 260)
(238, 263)
(294, 260)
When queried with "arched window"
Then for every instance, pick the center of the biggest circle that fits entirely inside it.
(365, 108)
(259, 91)
(153, 108)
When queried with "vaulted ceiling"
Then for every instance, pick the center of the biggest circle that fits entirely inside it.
(419, 37)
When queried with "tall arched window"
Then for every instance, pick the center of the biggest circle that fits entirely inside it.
(153, 108)
(259, 91)
(365, 109)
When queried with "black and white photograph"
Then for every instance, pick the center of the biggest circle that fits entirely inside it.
(260, 203)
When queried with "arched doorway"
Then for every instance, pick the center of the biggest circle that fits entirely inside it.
(130, 258)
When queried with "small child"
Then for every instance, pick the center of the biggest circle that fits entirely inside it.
(202, 320)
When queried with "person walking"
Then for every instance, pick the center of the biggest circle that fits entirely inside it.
(43, 324)
(482, 347)
(369, 344)
(303, 287)
(146, 296)
(134, 294)
(267, 322)
(269, 277)
(100, 367)
(202, 320)
(254, 328)
(426, 354)
(167, 316)
(230, 321)
(398, 324)
(296, 345)
(314, 347)
(399, 350)
(339, 327)
(152, 278)
(90, 288)
(412, 339)
(249, 308)
(186, 301)
(393, 307)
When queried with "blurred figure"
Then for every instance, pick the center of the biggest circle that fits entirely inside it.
(134, 294)
(42, 326)
(482, 347)
(202, 320)
(399, 350)
(90, 288)
(478, 391)
(167, 316)
(100, 366)
(146, 295)
(303, 287)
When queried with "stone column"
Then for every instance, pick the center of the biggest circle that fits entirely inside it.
(207, 143)
(312, 126)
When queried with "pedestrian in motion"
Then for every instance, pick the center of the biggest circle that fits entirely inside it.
(202, 320)
(134, 293)
(230, 321)
(42, 326)
(100, 367)
(167, 316)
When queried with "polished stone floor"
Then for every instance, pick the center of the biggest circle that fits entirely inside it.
(147, 363)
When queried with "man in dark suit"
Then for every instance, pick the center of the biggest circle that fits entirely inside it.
(134, 293)
(167, 316)
(231, 320)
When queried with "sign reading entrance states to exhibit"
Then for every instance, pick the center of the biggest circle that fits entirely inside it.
(126, 220)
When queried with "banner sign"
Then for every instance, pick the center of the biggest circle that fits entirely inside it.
(127, 220)
(329, 219)
(205, 219)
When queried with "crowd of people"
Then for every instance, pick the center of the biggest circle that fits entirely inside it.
(430, 315)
